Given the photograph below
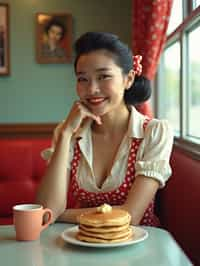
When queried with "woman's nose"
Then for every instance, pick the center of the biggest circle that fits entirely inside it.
(93, 87)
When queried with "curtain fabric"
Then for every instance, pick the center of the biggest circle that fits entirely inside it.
(149, 25)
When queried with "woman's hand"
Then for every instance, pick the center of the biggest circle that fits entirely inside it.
(77, 116)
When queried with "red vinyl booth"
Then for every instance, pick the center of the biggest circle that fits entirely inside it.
(21, 169)
(179, 201)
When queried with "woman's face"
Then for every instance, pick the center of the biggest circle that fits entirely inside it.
(55, 33)
(100, 82)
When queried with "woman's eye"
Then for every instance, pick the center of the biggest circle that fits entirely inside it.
(81, 79)
(102, 77)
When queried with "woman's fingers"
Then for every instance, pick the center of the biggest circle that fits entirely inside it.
(77, 116)
(86, 113)
(96, 118)
(84, 120)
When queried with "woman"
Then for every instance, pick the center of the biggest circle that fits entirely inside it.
(54, 33)
(105, 151)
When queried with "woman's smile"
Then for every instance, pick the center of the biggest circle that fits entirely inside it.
(96, 100)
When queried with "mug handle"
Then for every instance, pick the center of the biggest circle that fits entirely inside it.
(50, 216)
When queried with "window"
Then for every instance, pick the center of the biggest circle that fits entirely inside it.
(176, 16)
(171, 84)
(193, 127)
(178, 79)
(195, 3)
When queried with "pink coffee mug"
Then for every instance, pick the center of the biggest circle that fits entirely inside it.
(28, 220)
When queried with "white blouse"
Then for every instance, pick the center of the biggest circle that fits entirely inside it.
(152, 159)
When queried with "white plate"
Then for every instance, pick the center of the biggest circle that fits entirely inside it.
(69, 235)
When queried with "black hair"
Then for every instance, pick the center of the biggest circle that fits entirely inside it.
(140, 90)
(55, 22)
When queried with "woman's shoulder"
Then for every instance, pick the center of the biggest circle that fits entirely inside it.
(159, 127)
(159, 122)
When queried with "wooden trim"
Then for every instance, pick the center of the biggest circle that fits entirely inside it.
(26, 129)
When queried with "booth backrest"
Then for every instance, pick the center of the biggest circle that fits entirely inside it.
(179, 203)
(21, 168)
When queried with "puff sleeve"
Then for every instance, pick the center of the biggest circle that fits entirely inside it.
(154, 152)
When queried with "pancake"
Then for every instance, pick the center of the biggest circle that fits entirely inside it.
(116, 217)
(104, 229)
(107, 236)
(105, 225)
(100, 240)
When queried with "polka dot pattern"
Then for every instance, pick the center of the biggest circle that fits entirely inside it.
(149, 23)
(114, 197)
(137, 66)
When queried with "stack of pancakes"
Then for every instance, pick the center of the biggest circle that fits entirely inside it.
(105, 227)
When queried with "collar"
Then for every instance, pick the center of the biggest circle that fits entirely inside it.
(135, 127)
(85, 141)
(135, 130)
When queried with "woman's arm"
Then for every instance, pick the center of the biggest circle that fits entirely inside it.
(139, 198)
(72, 215)
(53, 188)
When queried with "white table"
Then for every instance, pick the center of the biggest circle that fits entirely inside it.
(159, 249)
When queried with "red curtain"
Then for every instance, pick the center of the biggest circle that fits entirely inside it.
(149, 25)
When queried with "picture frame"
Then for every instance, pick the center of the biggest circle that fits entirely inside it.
(53, 38)
(4, 40)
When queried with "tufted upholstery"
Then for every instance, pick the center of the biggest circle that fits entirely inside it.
(21, 169)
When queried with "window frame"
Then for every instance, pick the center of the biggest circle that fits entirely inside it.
(191, 20)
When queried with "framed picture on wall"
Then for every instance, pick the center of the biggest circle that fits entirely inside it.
(4, 40)
(53, 38)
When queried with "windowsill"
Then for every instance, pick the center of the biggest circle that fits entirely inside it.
(191, 148)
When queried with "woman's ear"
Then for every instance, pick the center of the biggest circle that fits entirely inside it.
(130, 79)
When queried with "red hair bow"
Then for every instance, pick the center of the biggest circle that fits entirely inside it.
(137, 66)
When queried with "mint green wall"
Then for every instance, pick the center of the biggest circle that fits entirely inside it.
(44, 93)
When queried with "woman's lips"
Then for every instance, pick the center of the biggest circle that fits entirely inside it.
(96, 100)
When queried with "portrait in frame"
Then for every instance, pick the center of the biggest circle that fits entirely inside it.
(53, 38)
(4, 40)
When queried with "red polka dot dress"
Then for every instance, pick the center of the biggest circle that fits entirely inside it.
(118, 196)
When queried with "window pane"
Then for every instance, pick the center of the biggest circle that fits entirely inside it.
(196, 3)
(171, 73)
(194, 84)
(176, 17)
